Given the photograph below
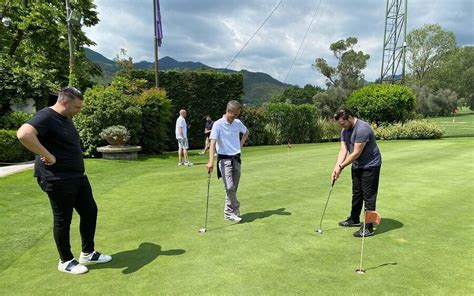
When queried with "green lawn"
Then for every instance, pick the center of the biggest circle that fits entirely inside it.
(461, 125)
(150, 211)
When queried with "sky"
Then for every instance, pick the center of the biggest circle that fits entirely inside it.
(213, 31)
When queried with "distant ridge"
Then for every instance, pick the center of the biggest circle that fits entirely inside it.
(258, 86)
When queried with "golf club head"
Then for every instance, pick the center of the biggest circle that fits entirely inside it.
(319, 230)
(202, 230)
(360, 271)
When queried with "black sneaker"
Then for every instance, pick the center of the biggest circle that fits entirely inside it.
(369, 231)
(349, 223)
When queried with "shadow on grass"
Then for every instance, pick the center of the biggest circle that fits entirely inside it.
(381, 265)
(250, 217)
(132, 260)
(388, 224)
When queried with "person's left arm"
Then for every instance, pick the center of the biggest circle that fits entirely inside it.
(245, 131)
(358, 148)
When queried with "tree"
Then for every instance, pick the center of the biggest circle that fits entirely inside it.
(297, 95)
(34, 53)
(348, 73)
(455, 72)
(329, 101)
(426, 46)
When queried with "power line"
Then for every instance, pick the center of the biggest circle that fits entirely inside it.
(302, 42)
(248, 41)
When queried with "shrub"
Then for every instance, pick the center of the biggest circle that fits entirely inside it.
(11, 150)
(415, 129)
(329, 101)
(383, 103)
(440, 103)
(13, 120)
(201, 93)
(254, 120)
(104, 107)
(293, 123)
(329, 129)
(156, 119)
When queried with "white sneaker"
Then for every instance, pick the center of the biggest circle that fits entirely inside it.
(187, 163)
(201, 153)
(72, 266)
(233, 217)
(94, 257)
(180, 163)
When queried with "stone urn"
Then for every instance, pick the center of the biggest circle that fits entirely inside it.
(116, 135)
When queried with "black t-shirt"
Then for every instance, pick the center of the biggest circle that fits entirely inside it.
(60, 137)
(209, 125)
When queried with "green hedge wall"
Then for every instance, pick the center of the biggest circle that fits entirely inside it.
(11, 150)
(200, 93)
(383, 103)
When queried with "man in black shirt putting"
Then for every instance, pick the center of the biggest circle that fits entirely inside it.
(59, 169)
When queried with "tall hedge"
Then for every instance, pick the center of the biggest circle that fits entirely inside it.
(11, 150)
(156, 117)
(201, 93)
(383, 103)
(292, 123)
(254, 119)
(104, 107)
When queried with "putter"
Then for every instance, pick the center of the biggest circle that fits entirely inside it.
(204, 229)
(319, 229)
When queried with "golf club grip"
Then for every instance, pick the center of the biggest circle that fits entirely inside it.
(333, 182)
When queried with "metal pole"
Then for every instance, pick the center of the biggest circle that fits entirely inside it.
(72, 58)
(383, 46)
(405, 16)
(156, 45)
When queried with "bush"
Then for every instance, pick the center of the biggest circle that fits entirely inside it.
(381, 103)
(254, 120)
(201, 93)
(11, 150)
(13, 120)
(440, 103)
(156, 119)
(292, 123)
(329, 101)
(104, 107)
(329, 129)
(115, 133)
(415, 129)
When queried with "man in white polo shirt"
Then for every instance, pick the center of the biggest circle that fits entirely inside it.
(182, 138)
(226, 133)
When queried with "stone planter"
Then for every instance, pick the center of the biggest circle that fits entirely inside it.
(116, 141)
(119, 152)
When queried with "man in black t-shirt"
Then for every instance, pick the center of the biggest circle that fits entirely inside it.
(207, 133)
(359, 148)
(59, 169)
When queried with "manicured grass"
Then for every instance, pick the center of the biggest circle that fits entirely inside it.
(150, 211)
(461, 125)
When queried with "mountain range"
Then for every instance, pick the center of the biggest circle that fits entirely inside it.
(258, 87)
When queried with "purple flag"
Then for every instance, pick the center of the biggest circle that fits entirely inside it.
(158, 30)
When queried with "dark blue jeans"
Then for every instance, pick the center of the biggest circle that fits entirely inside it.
(64, 196)
(365, 185)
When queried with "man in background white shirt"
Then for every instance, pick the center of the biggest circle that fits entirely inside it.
(182, 137)
(226, 133)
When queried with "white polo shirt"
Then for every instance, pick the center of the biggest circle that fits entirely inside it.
(181, 122)
(227, 136)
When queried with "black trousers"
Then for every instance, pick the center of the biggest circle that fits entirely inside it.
(365, 185)
(64, 196)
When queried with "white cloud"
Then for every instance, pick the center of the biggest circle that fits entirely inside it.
(213, 31)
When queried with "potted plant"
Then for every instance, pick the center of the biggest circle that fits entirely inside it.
(116, 135)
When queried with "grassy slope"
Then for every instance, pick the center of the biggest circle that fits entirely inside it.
(462, 125)
(150, 210)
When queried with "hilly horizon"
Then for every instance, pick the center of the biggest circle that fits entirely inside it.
(258, 86)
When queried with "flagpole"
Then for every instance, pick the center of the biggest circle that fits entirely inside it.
(156, 45)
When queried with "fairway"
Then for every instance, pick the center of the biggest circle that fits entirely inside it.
(150, 211)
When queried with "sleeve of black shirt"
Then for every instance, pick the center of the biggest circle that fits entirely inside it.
(40, 122)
